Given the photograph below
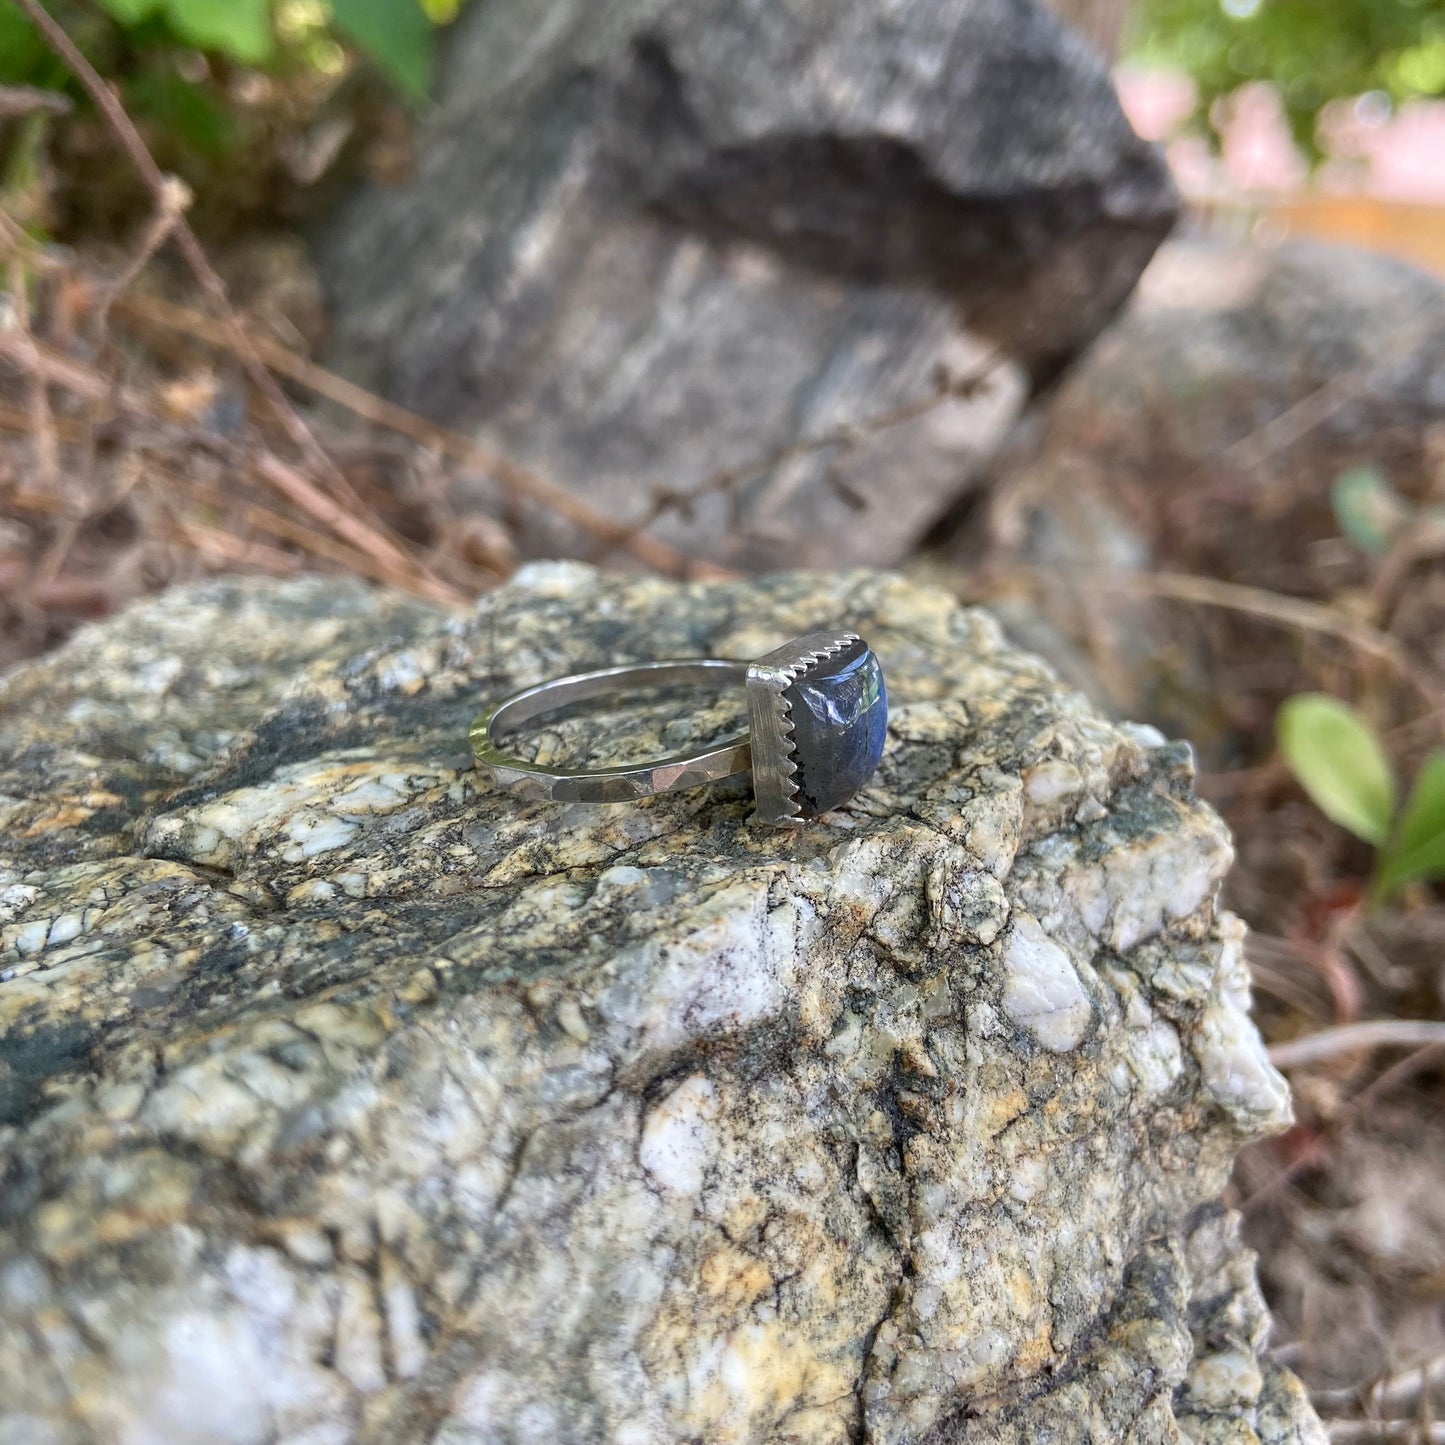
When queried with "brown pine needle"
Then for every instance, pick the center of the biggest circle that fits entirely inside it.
(171, 223)
(512, 476)
(1295, 612)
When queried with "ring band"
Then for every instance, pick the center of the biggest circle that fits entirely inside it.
(817, 710)
(608, 785)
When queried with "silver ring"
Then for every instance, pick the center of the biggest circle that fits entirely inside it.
(817, 715)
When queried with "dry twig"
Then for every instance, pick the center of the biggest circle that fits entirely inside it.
(391, 563)
(165, 197)
(162, 195)
(290, 483)
(22, 341)
(1357, 1038)
(22, 100)
(1295, 612)
(1403, 1389)
(1384, 1432)
(514, 478)
(1385, 1400)
(172, 205)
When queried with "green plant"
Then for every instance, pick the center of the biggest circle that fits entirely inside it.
(225, 92)
(1339, 761)
(1374, 516)
(395, 35)
(1368, 509)
(1312, 51)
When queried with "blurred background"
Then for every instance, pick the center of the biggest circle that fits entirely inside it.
(1124, 320)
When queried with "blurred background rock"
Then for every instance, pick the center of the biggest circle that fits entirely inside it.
(1125, 320)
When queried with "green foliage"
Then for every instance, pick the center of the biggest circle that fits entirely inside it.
(1313, 51)
(24, 56)
(397, 34)
(192, 114)
(141, 45)
(1375, 517)
(1371, 513)
(238, 28)
(1417, 849)
(1339, 761)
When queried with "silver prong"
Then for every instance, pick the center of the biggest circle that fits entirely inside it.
(771, 728)
(774, 763)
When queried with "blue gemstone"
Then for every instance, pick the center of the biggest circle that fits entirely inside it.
(840, 720)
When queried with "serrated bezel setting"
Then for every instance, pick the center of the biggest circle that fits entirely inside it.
(776, 762)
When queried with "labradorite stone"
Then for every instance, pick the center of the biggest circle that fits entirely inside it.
(840, 718)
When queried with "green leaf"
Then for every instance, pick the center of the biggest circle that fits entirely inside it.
(1369, 510)
(395, 34)
(130, 12)
(22, 51)
(1312, 53)
(192, 114)
(1418, 848)
(1339, 762)
(238, 28)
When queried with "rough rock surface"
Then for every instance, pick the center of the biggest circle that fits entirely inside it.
(651, 239)
(345, 1100)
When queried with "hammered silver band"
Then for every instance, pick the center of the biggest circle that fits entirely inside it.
(608, 785)
(768, 749)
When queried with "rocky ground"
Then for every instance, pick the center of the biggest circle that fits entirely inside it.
(349, 1099)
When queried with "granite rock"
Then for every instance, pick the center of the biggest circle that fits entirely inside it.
(652, 240)
(347, 1100)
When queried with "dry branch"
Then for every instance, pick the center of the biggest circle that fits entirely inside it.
(1355, 1039)
(1384, 1432)
(161, 188)
(22, 100)
(170, 222)
(386, 560)
(22, 340)
(517, 480)
(310, 499)
(1294, 612)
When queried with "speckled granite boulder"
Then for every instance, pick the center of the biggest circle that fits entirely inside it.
(345, 1100)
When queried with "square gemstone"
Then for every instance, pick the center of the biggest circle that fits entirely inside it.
(839, 710)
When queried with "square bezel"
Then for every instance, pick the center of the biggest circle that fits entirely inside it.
(775, 763)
